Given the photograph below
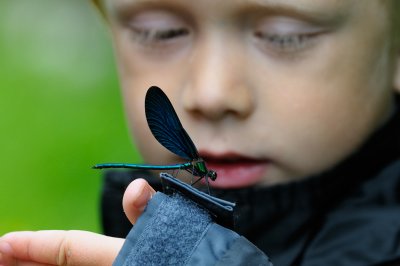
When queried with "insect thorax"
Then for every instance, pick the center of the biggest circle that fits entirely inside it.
(200, 166)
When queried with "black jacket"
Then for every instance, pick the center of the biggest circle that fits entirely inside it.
(348, 215)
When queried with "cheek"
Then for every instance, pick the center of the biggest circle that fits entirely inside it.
(136, 76)
(134, 91)
(323, 112)
(317, 132)
(309, 133)
(151, 151)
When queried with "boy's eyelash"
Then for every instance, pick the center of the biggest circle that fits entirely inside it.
(285, 43)
(172, 33)
(149, 35)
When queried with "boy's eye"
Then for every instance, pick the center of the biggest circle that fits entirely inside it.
(157, 27)
(158, 35)
(284, 43)
(285, 35)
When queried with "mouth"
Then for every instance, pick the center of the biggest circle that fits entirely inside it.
(234, 170)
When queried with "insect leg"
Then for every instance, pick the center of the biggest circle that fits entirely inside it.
(208, 184)
(193, 173)
(195, 182)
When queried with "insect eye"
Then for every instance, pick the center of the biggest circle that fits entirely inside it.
(213, 175)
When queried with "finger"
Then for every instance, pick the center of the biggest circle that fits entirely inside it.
(13, 262)
(136, 196)
(58, 248)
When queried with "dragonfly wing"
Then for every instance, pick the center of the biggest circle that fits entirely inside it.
(165, 125)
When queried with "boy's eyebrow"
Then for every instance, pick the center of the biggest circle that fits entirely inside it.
(326, 10)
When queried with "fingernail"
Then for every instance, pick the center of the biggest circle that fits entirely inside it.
(5, 248)
(144, 196)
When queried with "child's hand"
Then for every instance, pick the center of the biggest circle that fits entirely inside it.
(58, 248)
(72, 247)
(136, 196)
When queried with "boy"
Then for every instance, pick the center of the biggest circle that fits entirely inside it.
(291, 102)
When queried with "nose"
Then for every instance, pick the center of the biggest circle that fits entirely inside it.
(216, 82)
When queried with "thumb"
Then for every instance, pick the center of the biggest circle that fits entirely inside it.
(136, 196)
(58, 248)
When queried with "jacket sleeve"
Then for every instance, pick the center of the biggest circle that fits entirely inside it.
(174, 230)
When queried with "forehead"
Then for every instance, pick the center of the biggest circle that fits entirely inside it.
(310, 8)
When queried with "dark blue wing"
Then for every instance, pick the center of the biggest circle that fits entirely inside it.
(165, 125)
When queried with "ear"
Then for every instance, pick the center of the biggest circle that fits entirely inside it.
(396, 77)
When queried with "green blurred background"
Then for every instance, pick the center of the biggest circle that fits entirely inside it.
(60, 114)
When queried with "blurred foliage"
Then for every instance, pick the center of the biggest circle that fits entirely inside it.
(60, 114)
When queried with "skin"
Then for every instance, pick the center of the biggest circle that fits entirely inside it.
(302, 108)
(72, 247)
(299, 108)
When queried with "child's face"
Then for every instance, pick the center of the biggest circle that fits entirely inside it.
(269, 90)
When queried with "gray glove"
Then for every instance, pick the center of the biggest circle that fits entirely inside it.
(176, 230)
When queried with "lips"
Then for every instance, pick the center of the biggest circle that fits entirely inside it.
(235, 171)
